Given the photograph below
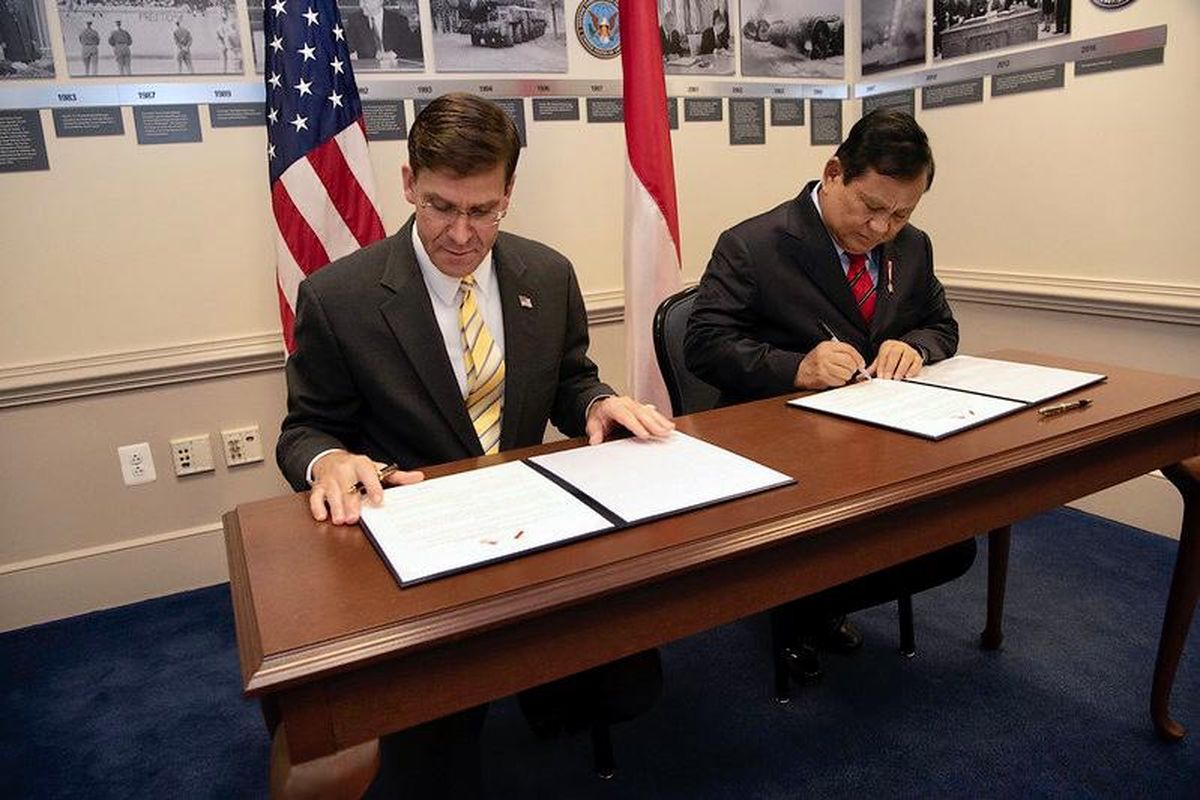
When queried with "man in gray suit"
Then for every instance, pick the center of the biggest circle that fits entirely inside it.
(404, 351)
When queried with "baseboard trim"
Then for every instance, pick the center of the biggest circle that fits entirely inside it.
(1148, 502)
(78, 581)
(106, 549)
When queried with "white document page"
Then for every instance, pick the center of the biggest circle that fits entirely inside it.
(910, 407)
(640, 479)
(448, 524)
(1029, 383)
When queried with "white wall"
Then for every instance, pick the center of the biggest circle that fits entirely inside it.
(125, 267)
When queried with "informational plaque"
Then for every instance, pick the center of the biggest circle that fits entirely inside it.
(1138, 58)
(515, 108)
(1028, 80)
(605, 109)
(555, 109)
(747, 120)
(673, 113)
(385, 120)
(419, 105)
(702, 109)
(787, 112)
(826, 125)
(22, 142)
(166, 124)
(952, 94)
(905, 100)
(90, 121)
(236, 115)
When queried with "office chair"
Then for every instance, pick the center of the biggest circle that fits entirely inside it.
(688, 395)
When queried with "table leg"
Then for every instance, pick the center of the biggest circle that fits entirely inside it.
(998, 543)
(1181, 601)
(344, 775)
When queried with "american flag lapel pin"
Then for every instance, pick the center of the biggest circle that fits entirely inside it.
(891, 289)
(525, 301)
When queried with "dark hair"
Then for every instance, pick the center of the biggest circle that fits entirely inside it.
(889, 142)
(465, 134)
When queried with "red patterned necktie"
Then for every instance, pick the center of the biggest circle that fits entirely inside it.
(861, 286)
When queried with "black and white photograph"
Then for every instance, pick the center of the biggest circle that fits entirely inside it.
(893, 34)
(696, 37)
(382, 35)
(25, 50)
(793, 39)
(967, 27)
(499, 35)
(151, 37)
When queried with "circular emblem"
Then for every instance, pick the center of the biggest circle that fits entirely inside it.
(1111, 4)
(596, 27)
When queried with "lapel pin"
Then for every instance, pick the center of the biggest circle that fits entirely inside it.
(525, 301)
(889, 276)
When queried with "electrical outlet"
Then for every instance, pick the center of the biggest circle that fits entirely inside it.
(242, 445)
(137, 464)
(192, 454)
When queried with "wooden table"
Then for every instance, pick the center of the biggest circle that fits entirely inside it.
(337, 651)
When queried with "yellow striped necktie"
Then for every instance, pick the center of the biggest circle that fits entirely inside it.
(485, 370)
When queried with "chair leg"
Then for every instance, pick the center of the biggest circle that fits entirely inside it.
(908, 647)
(602, 751)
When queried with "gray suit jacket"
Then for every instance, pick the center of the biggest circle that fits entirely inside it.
(370, 372)
(774, 278)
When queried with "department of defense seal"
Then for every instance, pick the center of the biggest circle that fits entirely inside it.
(596, 27)
(1111, 4)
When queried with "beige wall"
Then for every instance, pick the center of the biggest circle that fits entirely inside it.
(124, 263)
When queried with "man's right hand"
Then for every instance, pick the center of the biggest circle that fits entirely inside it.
(333, 496)
(828, 364)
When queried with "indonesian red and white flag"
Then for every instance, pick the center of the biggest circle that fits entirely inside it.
(322, 189)
(651, 217)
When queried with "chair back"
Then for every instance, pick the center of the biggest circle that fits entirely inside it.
(688, 393)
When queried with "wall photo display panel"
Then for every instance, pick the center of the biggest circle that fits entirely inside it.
(893, 34)
(793, 38)
(969, 27)
(499, 35)
(25, 50)
(381, 35)
(151, 37)
(696, 37)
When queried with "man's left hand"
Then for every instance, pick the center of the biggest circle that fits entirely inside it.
(640, 419)
(896, 359)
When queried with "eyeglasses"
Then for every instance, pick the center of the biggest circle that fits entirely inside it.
(446, 215)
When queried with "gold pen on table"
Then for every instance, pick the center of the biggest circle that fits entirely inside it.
(1050, 411)
(359, 487)
(858, 371)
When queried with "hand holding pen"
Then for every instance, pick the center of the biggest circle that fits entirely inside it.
(860, 372)
(830, 363)
(342, 481)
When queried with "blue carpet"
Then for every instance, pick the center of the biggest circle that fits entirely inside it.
(144, 701)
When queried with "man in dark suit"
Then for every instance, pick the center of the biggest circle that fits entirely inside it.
(379, 32)
(815, 291)
(381, 374)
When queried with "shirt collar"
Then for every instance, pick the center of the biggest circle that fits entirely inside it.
(444, 287)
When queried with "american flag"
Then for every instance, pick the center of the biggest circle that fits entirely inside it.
(322, 190)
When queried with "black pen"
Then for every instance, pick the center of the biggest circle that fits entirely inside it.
(1059, 408)
(359, 487)
(858, 371)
